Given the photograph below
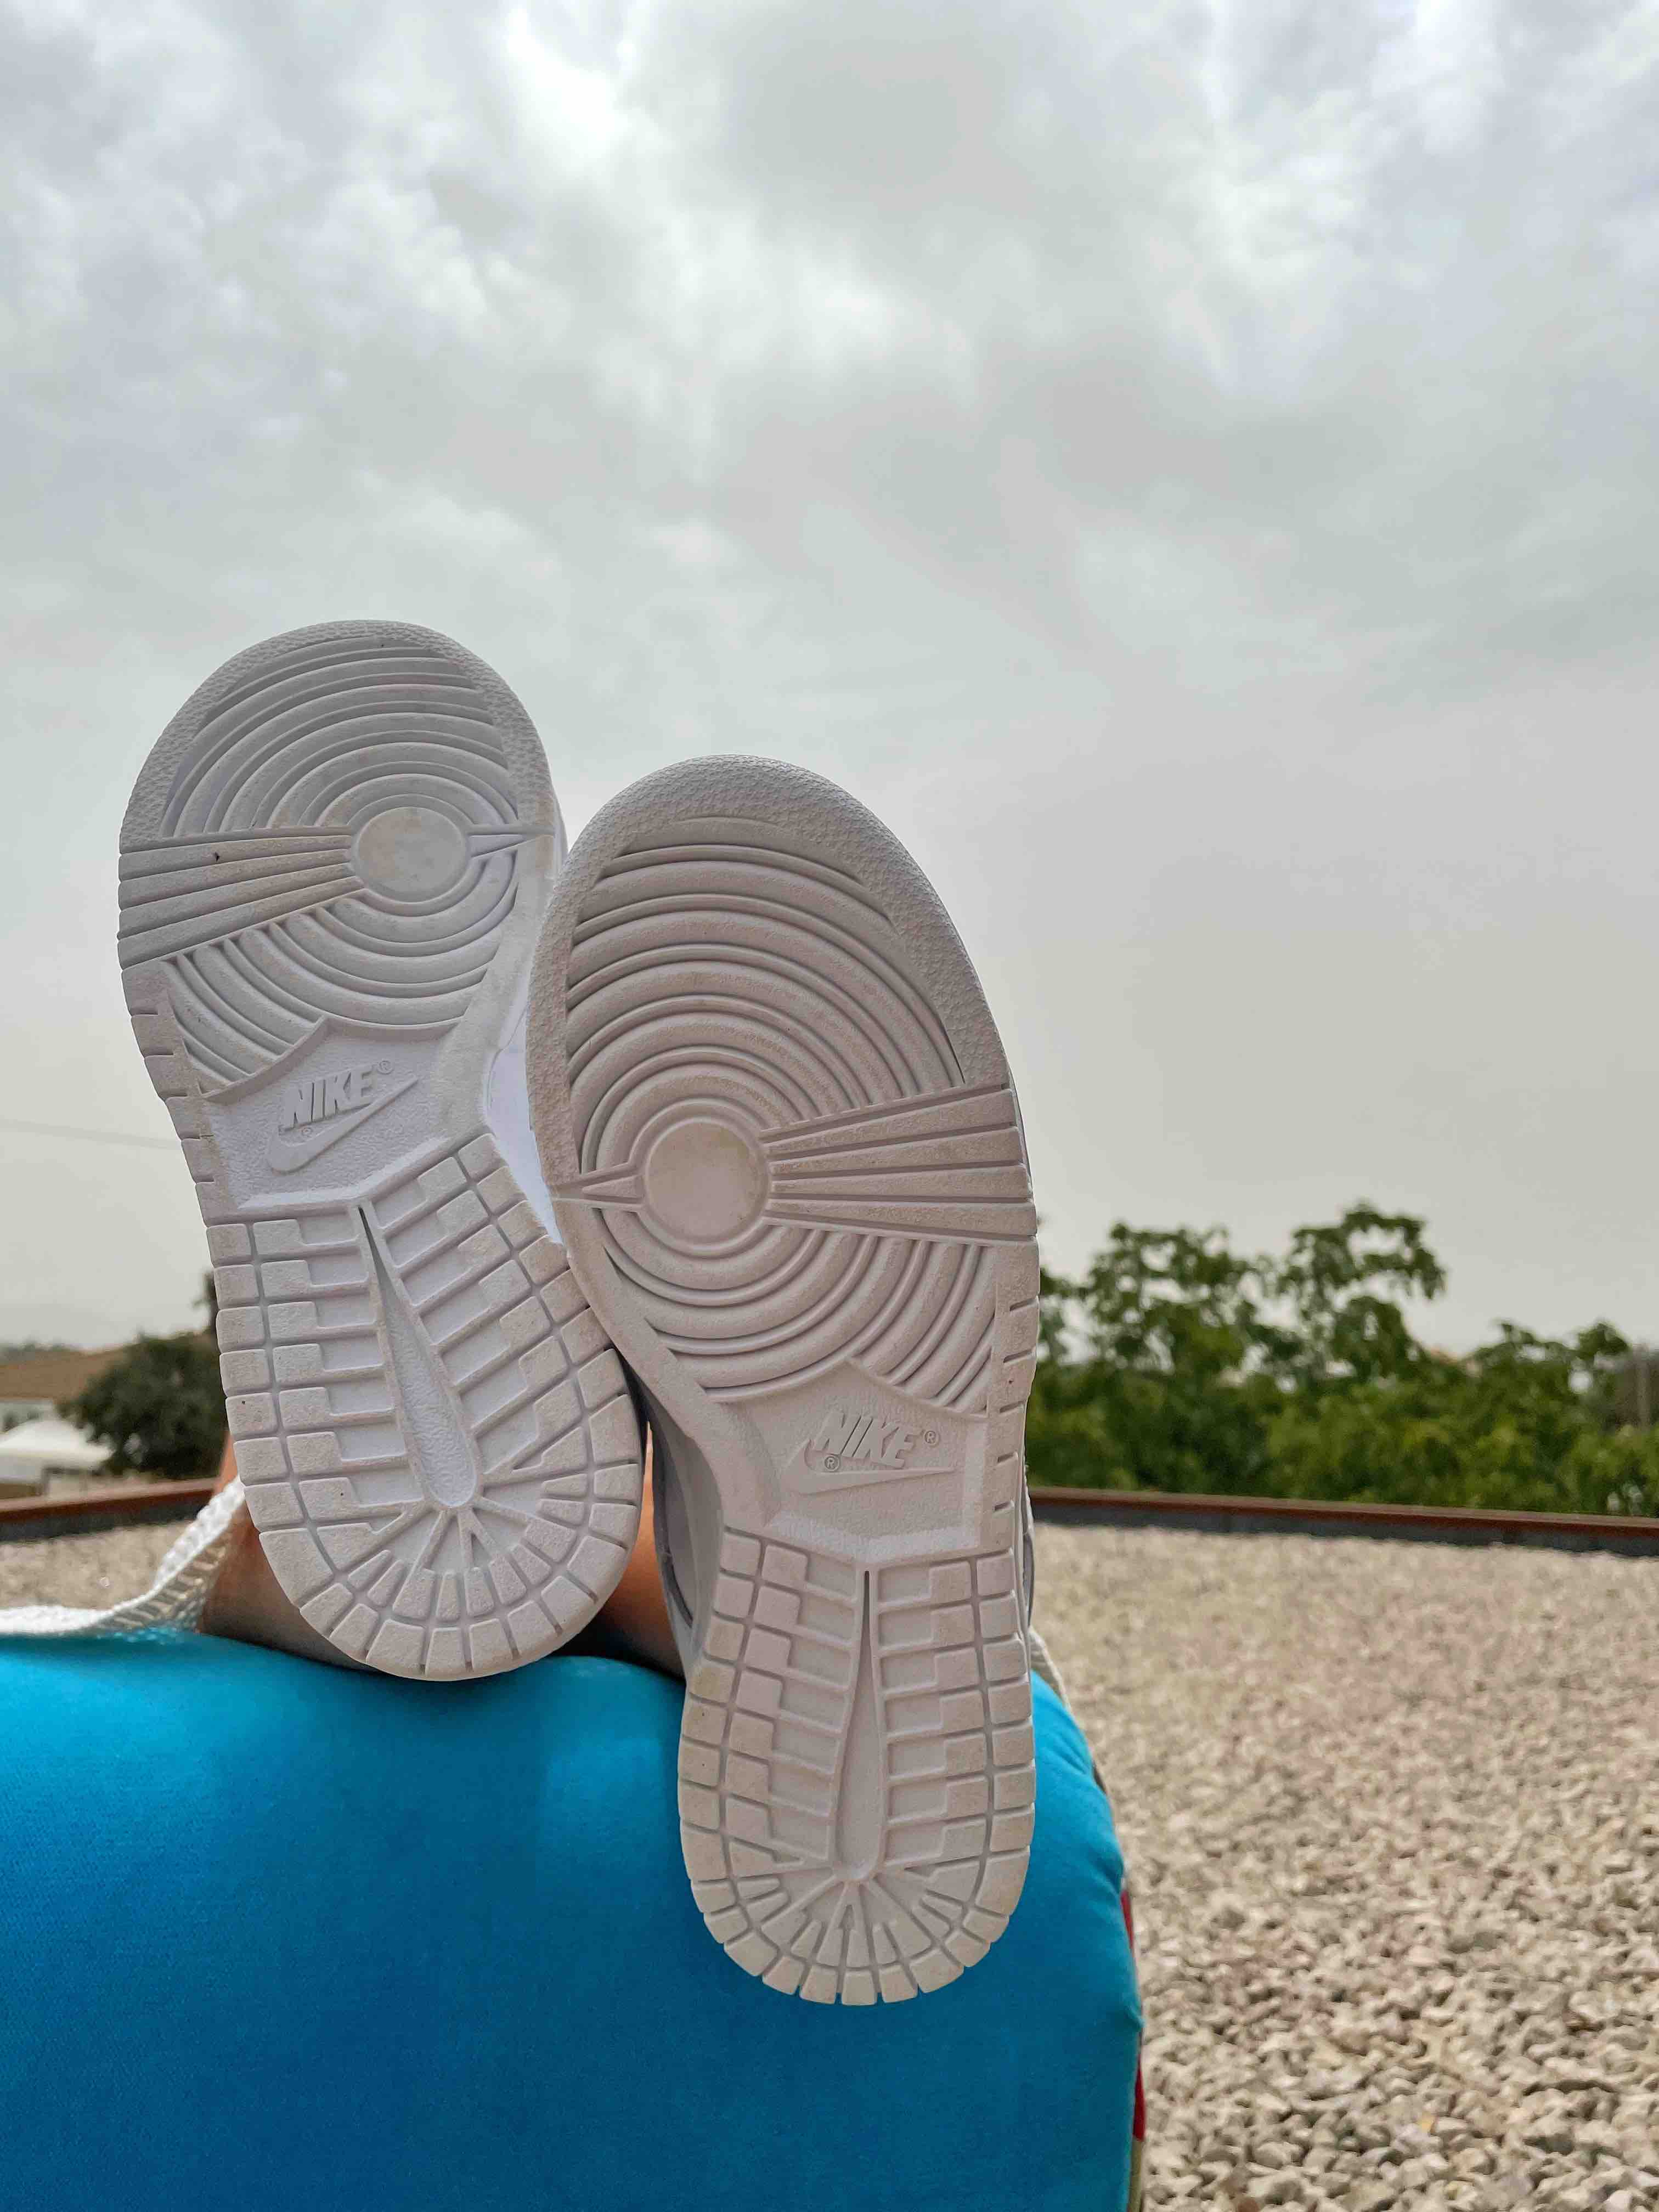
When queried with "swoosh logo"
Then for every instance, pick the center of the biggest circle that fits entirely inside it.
(285, 1159)
(809, 1470)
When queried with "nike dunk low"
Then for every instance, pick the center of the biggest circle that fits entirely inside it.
(788, 1163)
(333, 869)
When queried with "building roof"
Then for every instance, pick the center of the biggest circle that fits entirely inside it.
(49, 1442)
(52, 1375)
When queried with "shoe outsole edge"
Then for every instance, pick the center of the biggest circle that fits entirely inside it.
(789, 1167)
(333, 865)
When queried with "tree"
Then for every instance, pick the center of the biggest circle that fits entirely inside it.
(1177, 1363)
(1170, 1390)
(159, 1407)
(1522, 1424)
(1341, 1328)
(1068, 1436)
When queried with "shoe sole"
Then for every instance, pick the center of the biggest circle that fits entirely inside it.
(333, 869)
(786, 1161)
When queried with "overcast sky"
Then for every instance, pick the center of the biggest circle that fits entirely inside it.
(1191, 469)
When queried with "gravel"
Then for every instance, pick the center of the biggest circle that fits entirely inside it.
(1391, 1815)
(85, 1570)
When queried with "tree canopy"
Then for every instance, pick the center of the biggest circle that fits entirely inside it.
(159, 1407)
(1175, 1363)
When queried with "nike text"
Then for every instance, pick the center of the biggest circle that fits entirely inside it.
(305, 1104)
(857, 1438)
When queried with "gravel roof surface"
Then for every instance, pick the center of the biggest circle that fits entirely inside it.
(1391, 1815)
(98, 1570)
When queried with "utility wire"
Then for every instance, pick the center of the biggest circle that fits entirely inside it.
(91, 1136)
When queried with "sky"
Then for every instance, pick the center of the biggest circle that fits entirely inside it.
(1191, 469)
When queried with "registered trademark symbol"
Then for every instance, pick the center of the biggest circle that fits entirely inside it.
(383, 1065)
(930, 1435)
(832, 1463)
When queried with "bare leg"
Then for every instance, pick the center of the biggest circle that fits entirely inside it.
(247, 1605)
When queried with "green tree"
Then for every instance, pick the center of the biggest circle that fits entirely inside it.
(1341, 1328)
(159, 1407)
(1522, 1424)
(1068, 1438)
(1170, 1389)
(1177, 1363)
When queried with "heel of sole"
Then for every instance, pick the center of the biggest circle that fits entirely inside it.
(857, 1775)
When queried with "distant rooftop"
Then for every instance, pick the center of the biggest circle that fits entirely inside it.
(39, 1376)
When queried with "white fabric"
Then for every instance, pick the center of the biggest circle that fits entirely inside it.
(1043, 1665)
(174, 1599)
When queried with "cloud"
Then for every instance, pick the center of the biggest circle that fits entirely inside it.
(1131, 438)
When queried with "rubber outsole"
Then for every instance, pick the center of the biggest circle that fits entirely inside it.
(333, 869)
(787, 1162)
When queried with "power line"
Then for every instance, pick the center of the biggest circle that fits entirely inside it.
(90, 1136)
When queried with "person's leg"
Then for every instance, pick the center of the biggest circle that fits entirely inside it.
(247, 1605)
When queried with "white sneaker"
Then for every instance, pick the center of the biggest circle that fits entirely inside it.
(333, 868)
(787, 1162)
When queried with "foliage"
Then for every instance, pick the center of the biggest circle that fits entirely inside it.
(1176, 1364)
(159, 1407)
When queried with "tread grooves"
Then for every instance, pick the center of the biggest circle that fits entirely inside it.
(334, 830)
(538, 1522)
(866, 1913)
(815, 1233)
(270, 860)
(886, 1174)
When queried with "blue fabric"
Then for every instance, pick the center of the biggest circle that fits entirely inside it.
(283, 1939)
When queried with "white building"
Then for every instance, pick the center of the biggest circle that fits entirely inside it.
(34, 1451)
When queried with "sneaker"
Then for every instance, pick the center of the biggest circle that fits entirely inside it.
(788, 1163)
(333, 868)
